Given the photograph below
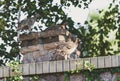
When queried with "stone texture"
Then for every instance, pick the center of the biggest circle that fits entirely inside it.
(31, 42)
(50, 46)
(76, 77)
(25, 50)
(106, 76)
(115, 76)
(47, 77)
(44, 46)
(61, 38)
(26, 78)
(52, 77)
(25, 69)
(45, 34)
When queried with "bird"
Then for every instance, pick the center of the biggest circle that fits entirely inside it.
(76, 54)
(65, 49)
(27, 23)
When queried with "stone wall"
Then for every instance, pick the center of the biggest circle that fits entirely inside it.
(55, 43)
(39, 47)
(104, 76)
(58, 70)
(49, 51)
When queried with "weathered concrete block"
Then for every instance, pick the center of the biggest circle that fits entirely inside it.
(31, 42)
(94, 61)
(61, 38)
(101, 62)
(46, 67)
(53, 66)
(59, 66)
(50, 46)
(108, 61)
(66, 65)
(1, 71)
(39, 68)
(25, 50)
(114, 61)
(28, 58)
(6, 71)
(73, 64)
(32, 68)
(44, 34)
(26, 69)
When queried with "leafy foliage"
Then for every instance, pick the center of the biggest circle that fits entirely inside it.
(102, 37)
(14, 67)
(50, 13)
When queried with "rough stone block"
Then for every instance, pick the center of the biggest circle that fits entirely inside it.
(50, 46)
(25, 50)
(44, 34)
(76, 77)
(61, 38)
(115, 76)
(28, 58)
(31, 42)
(30, 36)
(50, 39)
(106, 76)
(37, 54)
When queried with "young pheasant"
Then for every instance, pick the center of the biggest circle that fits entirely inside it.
(64, 49)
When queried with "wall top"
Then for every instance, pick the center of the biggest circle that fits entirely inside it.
(62, 65)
